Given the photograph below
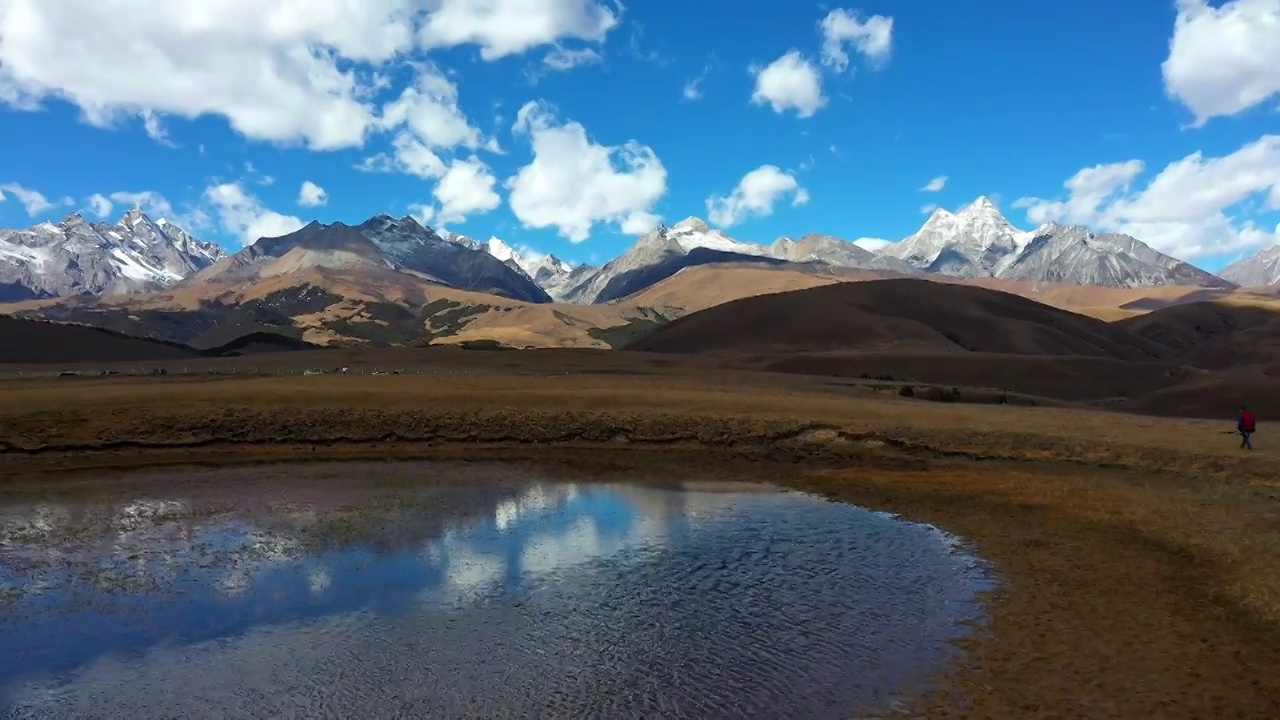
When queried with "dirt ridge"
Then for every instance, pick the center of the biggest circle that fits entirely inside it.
(746, 435)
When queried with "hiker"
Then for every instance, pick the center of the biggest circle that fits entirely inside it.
(1245, 424)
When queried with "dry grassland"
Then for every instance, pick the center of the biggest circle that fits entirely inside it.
(1141, 556)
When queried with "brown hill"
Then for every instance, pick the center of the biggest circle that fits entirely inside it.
(903, 315)
(1218, 335)
(31, 342)
(362, 306)
(701, 287)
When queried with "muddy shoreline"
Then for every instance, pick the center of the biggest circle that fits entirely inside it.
(1142, 574)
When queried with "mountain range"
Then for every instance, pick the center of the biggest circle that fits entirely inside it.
(79, 257)
(398, 279)
(136, 254)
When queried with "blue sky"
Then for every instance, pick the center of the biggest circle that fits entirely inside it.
(218, 119)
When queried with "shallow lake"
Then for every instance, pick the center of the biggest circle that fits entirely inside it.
(424, 590)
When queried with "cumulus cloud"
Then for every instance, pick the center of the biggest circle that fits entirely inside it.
(507, 27)
(32, 201)
(467, 188)
(1190, 209)
(873, 38)
(312, 195)
(1226, 59)
(100, 205)
(755, 195)
(285, 71)
(431, 121)
(789, 83)
(574, 183)
(935, 184)
(244, 216)
(273, 71)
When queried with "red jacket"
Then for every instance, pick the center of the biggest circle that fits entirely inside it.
(1246, 422)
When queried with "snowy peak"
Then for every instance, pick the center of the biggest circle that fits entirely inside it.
(1262, 269)
(969, 243)
(75, 256)
(692, 224)
(692, 233)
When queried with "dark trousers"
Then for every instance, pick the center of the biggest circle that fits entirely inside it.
(1244, 442)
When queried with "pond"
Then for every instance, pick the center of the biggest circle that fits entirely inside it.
(470, 590)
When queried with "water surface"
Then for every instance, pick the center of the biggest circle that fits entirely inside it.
(419, 590)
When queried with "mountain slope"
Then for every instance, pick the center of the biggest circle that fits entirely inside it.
(903, 315)
(382, 243)
(37, 341)
(971, 243)
(658, 255)
(1261, 269)
(77, 257)
(548, 272)
(1058, 253)
(818, 248)
(980, 242)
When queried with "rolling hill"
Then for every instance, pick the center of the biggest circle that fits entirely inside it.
(898, 315)
(1198, 358)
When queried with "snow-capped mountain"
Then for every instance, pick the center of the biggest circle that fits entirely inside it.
(658, 255)
(382, 243)
(76, 257)
(979, 241)
(1258, 270)
(693, 233)
(970, 243)
(548, 272)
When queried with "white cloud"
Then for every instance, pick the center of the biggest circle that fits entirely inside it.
(155, 129)
(156, 206)
(282, 71)
(872, 37)
(274, 70)
(508, 27)
(423, 213)
(467, 188)
(429, 110)
(928, 209)
(693, 89)
(872, 244)
(756, 194)
(564, 59)
(1191, 209)
(1224, 60)
(32, 201)
(100, 205)
(312, 195)
(574, 183)
(243, 215)
(935, 184)
(789, 83)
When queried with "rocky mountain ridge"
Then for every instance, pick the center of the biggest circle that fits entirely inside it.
(1260, 269)
(75, 256)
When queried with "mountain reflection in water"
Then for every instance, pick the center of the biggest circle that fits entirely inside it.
(496, 599)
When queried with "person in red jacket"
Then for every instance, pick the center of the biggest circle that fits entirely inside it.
(1246, 425)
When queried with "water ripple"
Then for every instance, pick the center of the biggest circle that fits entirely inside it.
(540, 600)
